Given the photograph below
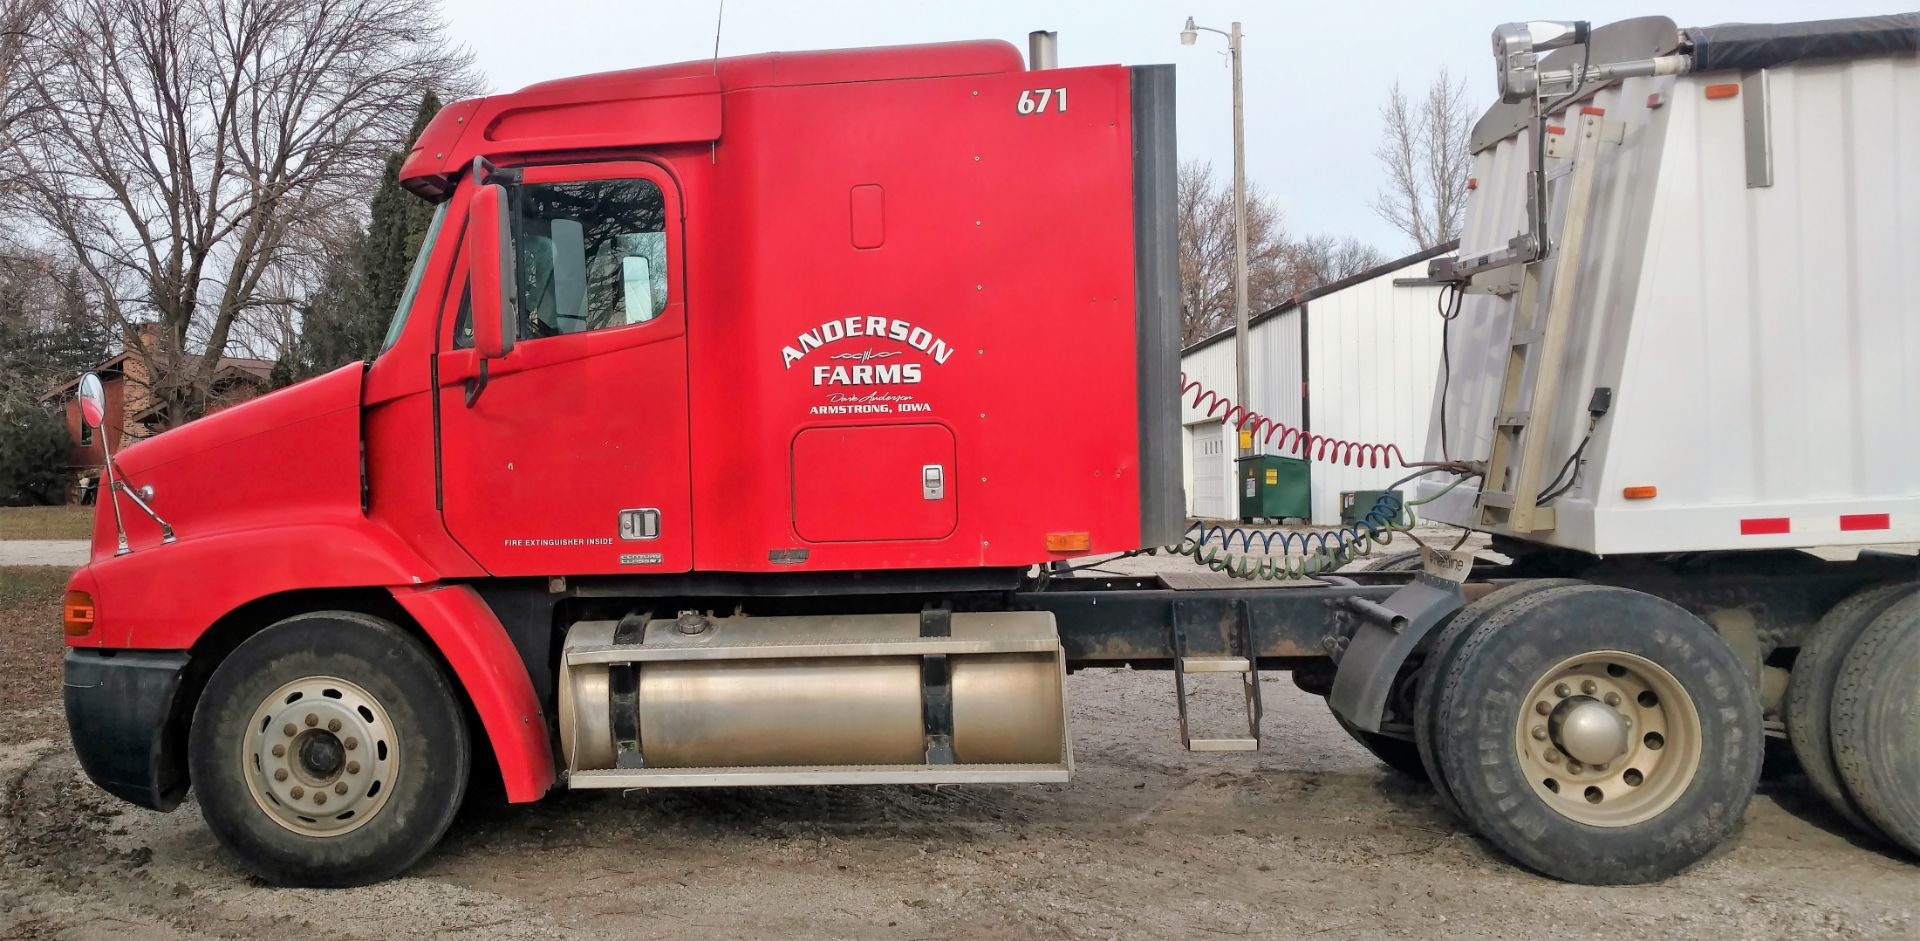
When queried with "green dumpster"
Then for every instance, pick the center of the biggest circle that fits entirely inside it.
(1273, 487)
(1356, 504)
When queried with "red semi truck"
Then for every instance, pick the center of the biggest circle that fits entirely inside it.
(735, 428)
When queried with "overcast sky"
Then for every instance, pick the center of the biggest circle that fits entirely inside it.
(1316, 72)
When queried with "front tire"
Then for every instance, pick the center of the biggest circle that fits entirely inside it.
(1601, 735)
(328, 750)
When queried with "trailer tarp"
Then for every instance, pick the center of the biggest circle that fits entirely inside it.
(1764, 45)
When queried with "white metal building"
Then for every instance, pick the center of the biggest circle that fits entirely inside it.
(1356, 359)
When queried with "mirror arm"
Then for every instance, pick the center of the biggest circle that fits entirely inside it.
(478, 384)
(113, 496)
(166, 531)
(484, 171)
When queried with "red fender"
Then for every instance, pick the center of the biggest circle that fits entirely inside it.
(489, 669)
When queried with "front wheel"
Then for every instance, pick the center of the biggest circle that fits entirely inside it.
(328, 750)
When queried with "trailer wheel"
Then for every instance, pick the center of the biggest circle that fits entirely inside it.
(1428, 722)
(1809, 703)
(1876, 723)
(328, 750)
(1602, 735)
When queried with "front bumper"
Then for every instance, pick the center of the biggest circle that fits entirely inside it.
(122, 717)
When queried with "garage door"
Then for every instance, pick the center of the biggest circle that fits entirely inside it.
(1210, 483)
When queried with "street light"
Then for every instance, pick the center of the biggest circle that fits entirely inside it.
(1187, 38)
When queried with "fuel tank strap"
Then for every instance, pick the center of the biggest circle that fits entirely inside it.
(936, 687)
(623, 689)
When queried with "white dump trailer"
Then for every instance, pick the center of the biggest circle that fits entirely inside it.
(1678, 335)
(1733, 253)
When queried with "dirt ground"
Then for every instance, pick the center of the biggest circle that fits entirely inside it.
(1308, 838)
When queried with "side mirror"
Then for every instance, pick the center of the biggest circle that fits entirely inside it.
(93, 400)
(494, 294)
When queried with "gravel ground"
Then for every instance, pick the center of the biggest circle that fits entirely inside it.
(1309, 837)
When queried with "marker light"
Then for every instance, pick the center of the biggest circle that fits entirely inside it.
(76, 614)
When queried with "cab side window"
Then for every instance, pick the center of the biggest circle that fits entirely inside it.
(591, 256)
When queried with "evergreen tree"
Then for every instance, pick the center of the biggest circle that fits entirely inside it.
(347, 318)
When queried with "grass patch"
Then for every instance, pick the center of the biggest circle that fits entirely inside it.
(46, 522)
(30, 639)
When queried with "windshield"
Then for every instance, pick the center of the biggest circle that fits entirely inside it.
(413, 279)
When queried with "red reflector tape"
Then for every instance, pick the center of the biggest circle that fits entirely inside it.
(1860, 521)
(1771, 526)
(1596, 112)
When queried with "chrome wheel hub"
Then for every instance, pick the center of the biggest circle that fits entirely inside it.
(1608, 738)
(1589, 730)
(320, 756)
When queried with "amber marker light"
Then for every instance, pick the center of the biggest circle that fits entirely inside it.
(76, 614)
(1069, 542)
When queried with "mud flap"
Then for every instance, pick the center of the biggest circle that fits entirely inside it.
(1386, 634)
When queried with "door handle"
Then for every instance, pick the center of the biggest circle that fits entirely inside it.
(933, 482)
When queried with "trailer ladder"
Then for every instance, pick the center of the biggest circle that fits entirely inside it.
(1510, 491)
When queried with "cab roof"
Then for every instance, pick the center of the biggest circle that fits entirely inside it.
(661, 104)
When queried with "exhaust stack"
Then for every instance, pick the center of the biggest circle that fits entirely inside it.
(1043, 50)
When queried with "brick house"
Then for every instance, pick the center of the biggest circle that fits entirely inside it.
(133, 412)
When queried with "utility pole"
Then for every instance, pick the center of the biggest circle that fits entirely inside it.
(1242, 395)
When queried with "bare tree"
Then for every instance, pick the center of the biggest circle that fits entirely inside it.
(190, 154)
(20, 27)
(1278, 265)
(1426, 152)
(1323, 259)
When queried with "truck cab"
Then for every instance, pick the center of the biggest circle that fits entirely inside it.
(707, 344)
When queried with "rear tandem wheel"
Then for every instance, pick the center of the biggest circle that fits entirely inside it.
(1441, 651)
(1597, 734)
(1876, 723)
(1810, 690)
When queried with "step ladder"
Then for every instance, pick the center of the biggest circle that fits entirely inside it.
(1216, 637)
(1537, 338)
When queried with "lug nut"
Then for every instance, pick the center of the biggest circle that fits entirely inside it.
(290, 729)
(340, 788)
(1613, 699)
(1602, 767)
(1573, 767)
(279, 751)
(319, 797)
(298, 792)
(1563, 690)
(1542, 707)
(1588, 686)
(1539, 733)
(352, 743)
(280, 774)
(333, 725)
(1553, 757)
(312, 720)
(353, 767)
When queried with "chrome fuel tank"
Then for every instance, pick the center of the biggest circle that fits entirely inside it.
(817, 691)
